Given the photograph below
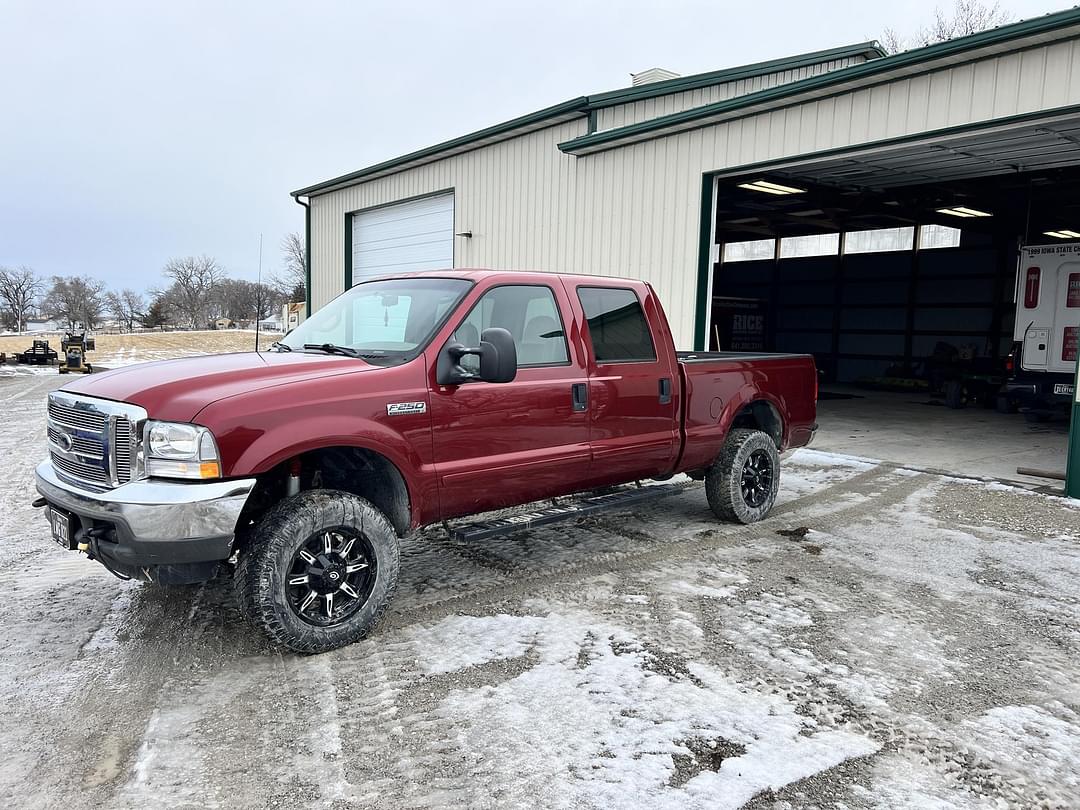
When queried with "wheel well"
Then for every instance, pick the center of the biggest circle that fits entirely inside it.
(353, 469)
(763, 416)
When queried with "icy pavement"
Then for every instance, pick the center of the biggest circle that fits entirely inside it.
(887, 639)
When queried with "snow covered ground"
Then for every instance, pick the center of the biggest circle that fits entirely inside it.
(887, 639)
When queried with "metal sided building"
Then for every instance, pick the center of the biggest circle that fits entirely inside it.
(861, 206)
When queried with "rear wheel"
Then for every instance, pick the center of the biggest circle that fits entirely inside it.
(742, 483)
(319, 571)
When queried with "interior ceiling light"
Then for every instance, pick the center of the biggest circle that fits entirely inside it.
(1063, 234)
(963, 211)
(771, 188)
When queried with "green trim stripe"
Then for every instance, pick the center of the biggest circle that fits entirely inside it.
(348, 250)
(704, 265)
(698, 116)
(626, 95)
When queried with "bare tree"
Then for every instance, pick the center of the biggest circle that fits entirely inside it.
(966, 17)
(194, 283)
(134, 306)
(77, 300)
(126, 307)
(292, 279)
(19, 289)
(267, 300)
(246, 300)
(237, 298)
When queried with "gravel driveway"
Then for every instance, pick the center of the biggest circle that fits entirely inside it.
(887, 638)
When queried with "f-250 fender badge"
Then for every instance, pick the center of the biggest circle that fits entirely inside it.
(402, 408)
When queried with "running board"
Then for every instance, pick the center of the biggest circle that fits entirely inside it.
(485, 529)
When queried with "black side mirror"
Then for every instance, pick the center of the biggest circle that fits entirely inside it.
(498, 360)
(498, 356)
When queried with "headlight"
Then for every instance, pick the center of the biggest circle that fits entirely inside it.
(179, 450)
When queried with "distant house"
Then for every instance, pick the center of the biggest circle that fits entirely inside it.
(223, 323)
(292, 315)
(271, 325)
(42, 325)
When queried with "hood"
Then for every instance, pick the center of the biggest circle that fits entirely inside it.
(177, 390)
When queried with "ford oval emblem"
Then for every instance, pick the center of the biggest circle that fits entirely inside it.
(64, 441)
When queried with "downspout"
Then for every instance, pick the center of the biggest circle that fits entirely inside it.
(307, 254)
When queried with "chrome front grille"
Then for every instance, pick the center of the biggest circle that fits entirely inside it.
(122, 449)
(92, 473)
(84, 447)
(65, 414)
(94, 442)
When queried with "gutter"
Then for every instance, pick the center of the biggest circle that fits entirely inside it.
(307, 253)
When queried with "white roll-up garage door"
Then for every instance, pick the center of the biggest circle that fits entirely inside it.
(403, 237)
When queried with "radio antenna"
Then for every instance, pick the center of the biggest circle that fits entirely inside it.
(258, 298)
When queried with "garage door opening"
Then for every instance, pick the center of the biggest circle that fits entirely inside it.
(401, 238)
(887, 263)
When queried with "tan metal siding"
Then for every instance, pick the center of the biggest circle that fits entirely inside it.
(635, 210)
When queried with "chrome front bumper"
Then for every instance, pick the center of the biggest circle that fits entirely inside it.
(155, 522)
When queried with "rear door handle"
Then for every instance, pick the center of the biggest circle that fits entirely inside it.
(665, 391)
(579, 395)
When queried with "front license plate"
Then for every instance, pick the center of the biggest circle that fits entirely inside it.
(1064, 388)
(61, 527)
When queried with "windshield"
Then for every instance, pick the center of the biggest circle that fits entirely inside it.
(382, 321)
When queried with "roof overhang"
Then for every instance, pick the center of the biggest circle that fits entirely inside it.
(1023, 169)
(1024, 34)
(550, 116)
(583, 106)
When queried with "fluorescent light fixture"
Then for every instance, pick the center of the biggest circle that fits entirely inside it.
(963, 211)
(771, 188)
(1063, 234)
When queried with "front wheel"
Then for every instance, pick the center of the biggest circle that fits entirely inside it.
(742, 483)
(318, 571)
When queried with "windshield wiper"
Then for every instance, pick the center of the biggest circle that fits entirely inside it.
(331, 348)
(281, 347)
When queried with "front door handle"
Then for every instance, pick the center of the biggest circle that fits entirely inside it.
(665, 391)
(579, 396)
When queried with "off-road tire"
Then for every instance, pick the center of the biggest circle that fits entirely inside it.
(264, 562)
(723, 480)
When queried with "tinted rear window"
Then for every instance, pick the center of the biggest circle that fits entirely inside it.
(617, 325)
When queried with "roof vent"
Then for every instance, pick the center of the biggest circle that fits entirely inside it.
(652, 75)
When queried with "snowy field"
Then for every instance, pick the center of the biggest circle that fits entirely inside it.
(887, 639)
(114, 351)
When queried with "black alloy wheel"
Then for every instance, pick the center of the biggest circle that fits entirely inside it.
(757, 476)
(318, 570)
(331, 576)
(742, 483)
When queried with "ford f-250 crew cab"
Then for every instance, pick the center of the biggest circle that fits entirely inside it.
(403, 402)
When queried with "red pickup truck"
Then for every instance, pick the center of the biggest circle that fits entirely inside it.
(403, 402)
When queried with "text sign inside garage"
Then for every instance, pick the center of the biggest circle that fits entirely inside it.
(1072, 294)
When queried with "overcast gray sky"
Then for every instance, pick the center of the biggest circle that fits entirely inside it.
(133, 132)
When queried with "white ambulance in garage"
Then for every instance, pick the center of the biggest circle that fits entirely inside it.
(1047, 332)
